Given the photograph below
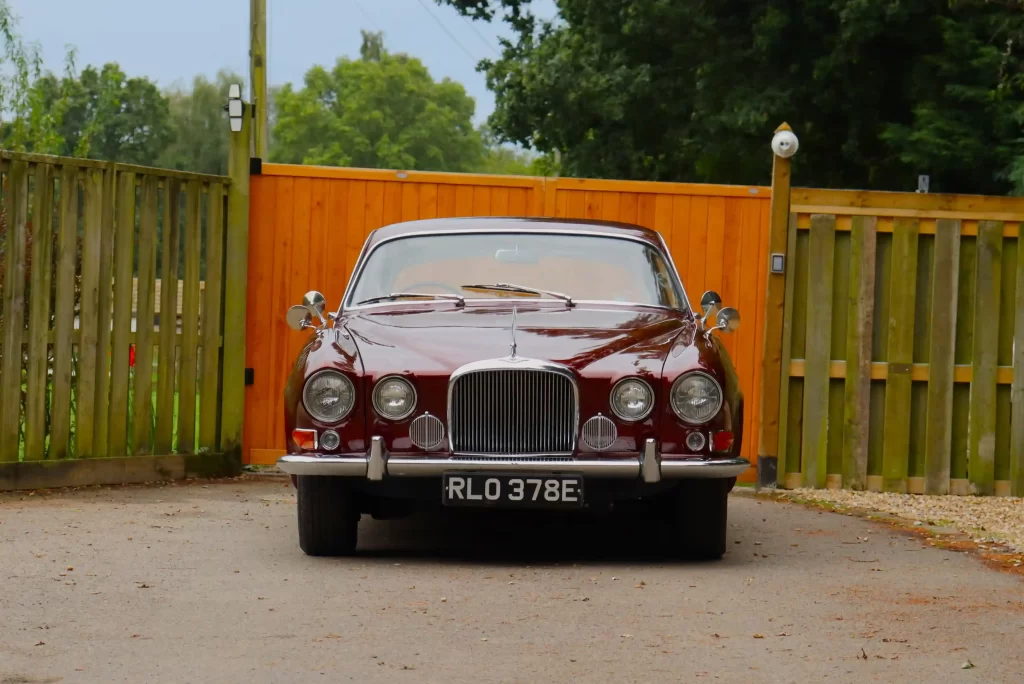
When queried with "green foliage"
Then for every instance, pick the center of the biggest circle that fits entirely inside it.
(381, 111)
(691, 91)
(108, 115)
(199, 129)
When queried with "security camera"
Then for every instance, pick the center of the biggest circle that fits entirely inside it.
(785, 144)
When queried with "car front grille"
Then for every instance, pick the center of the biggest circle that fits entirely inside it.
(513, 411)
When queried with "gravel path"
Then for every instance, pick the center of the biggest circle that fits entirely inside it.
(206, 583)
(984, 518)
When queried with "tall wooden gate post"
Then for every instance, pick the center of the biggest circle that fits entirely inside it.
(784, 146)
(236, 264)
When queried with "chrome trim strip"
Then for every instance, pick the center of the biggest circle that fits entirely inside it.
(696, 469)
(365, 254)
(649, 467)
(357, 466)
(344, 466)
(434, 467)
(376, 465)
(516, 363)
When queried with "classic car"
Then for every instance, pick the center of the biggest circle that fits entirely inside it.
(513, 363)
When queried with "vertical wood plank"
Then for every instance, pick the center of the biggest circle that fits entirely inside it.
(142, 402)
(101, 433)
(819, 345)
(64, 315)
(410, 201)
(982, 431)
(786, 356)
(124, 245)
(428, 201)
(354, 223)
(446, 201)
(464, 200)
(190, 320)
(481, 201)
(211, 326)
(1017, 388)
(88, 317)
(14, 310)
(697, 248)
(942, 344)
(900, 355)
(39, 314)
(860, 318)
(163, 438)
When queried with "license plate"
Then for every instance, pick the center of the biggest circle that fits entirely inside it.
(512, 491)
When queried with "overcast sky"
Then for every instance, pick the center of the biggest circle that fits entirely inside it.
(173, 41)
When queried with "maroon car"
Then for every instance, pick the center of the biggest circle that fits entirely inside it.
(513, 363)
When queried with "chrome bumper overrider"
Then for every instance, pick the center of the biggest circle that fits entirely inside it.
(377, 465)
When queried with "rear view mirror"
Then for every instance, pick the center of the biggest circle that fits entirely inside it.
(315, 304)
(710, 302)
(298, 318)
(728, 319)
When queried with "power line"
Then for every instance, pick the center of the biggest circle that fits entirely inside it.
(366, 15)
(483, 38)
(445, 29)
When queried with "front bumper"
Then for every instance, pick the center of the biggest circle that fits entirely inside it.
(377, 465)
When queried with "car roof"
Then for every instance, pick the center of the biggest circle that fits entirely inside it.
(515, 224)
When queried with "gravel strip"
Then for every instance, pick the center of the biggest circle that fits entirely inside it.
(988, 518)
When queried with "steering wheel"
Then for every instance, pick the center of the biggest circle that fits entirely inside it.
(418, 287)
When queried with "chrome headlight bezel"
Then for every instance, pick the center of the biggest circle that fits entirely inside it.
(343, 381)
(377, 403)
(675, 403)
(620, 386)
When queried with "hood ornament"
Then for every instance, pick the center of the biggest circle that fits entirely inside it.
(512, 346)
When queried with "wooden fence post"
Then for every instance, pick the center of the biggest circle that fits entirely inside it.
(775, 292)
(258, 75)
(236, 263)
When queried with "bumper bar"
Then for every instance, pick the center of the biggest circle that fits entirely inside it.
(377, 465)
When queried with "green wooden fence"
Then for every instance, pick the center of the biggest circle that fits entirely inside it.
(898, 348)
(100, 381)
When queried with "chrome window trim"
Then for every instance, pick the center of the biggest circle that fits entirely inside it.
(364, 255)
(516, 363)
(672, 389)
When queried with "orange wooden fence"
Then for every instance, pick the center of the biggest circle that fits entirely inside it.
(308, 223)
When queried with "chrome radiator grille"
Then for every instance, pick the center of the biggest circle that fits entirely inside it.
(513, 412)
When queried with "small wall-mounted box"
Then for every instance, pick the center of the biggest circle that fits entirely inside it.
(778, 263)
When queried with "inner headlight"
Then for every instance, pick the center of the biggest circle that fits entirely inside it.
(394, 398)
(632, 399)
(696, 397)
(328, 396)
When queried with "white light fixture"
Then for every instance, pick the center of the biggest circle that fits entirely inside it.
(235, 107)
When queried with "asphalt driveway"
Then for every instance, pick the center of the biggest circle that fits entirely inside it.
(206, 583)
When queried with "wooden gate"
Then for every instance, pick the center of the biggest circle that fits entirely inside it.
(112, 323)
(898, 344)
(307, 225)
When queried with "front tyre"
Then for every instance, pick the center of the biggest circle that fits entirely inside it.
(327, 514)
(700, 516)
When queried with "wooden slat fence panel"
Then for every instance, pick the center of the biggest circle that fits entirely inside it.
(90, 232)
(932, 397)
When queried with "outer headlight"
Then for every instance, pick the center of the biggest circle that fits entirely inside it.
(696, 397)
(328, 396)
(394, 398)
(632, 399)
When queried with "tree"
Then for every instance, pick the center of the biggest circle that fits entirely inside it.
(383, 110)
(108, 115)
(199, 128)
(690, 91)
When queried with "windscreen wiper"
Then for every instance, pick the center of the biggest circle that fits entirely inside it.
(509, 287)
(458, 299)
